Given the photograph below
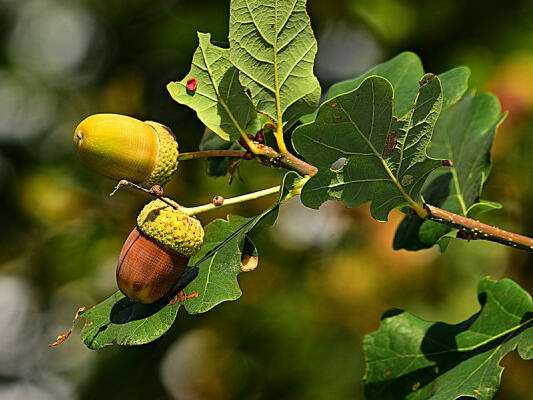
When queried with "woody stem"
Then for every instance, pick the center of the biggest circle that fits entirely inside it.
(210, 153)
(479, 230)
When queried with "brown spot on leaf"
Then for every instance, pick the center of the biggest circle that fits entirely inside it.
(338, 117)
(388, 372)
(390, 143)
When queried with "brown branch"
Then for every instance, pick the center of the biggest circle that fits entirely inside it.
(271, 158)
(471, 229)
(478, 230)
(265, 155)
(210, 153)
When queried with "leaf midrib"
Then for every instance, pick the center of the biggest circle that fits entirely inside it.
(376, 153)
(217, 90)
(462, 349)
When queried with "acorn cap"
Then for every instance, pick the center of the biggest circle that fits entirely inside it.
(170, 227)
(121, 147)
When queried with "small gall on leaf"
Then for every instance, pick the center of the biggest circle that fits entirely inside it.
(192, 84)
(333, 105)
(390, 144)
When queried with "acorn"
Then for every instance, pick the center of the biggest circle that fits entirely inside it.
(122, 147)
(157, 251)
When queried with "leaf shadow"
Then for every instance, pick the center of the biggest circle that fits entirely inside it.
(126, 310)
(439, 345)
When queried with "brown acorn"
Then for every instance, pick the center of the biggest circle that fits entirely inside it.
(157, 251)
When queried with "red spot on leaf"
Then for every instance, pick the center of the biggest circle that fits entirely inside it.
(192, 84)
(320, 140)
(333, 105)
(447, 163)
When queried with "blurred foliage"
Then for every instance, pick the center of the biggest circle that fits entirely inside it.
(323, 280)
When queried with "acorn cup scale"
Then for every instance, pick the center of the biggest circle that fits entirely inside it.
(121, 147)
(157, 252)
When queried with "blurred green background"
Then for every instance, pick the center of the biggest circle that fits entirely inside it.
(324, 278)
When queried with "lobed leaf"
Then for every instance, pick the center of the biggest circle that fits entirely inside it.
(409, 358)
(464, 135)
(219, 99)
(273, 46)
(225, 244)
(385, 158)
(403, 72)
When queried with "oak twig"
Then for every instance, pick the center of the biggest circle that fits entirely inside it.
(210, 153)
(479, 230)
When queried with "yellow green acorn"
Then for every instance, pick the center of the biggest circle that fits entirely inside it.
(122, 147)
(157, 251)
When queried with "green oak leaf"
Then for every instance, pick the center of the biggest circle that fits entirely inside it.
(219, 260)
(464, 135)
(219, 99)
(409, 358)
(120, 320)
(273, 46)
(385, 158)
(403, 72)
